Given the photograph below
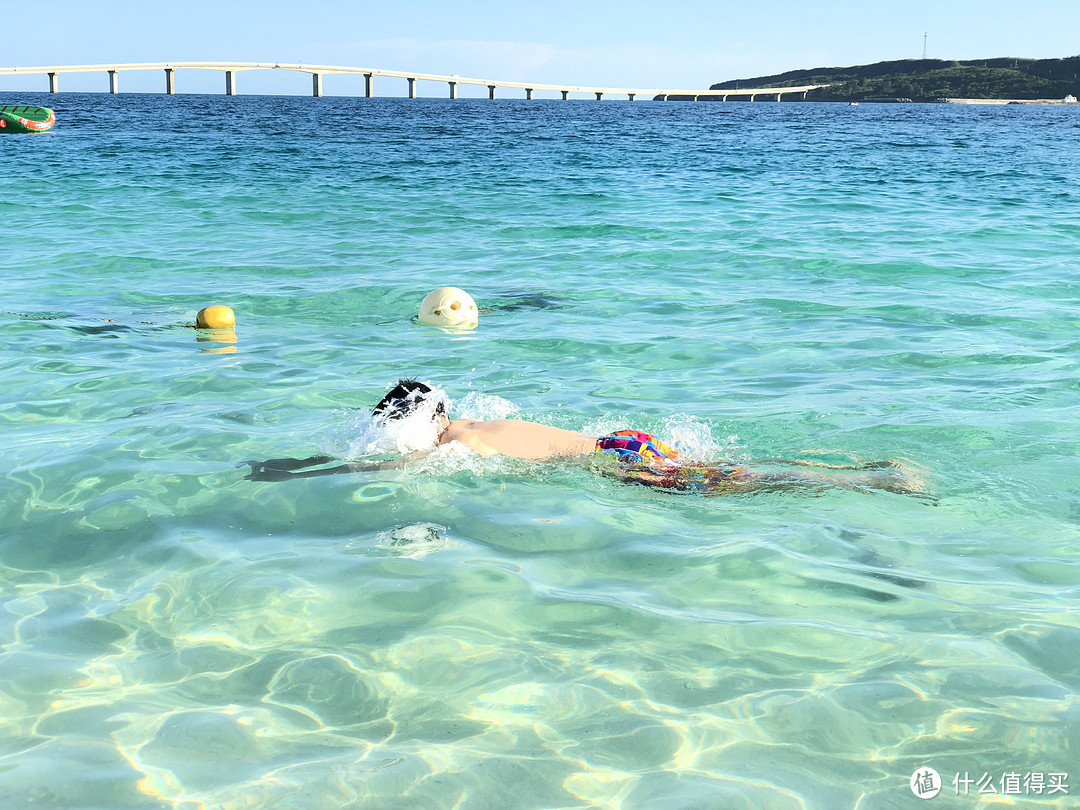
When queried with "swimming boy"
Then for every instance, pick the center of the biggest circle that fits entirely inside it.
(637, 457)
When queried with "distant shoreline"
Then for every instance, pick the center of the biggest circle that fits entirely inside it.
(1001, 80)
(1037, 101)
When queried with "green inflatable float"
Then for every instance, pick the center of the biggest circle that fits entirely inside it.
(24, 118)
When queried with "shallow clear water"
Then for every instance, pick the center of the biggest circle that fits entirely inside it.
(756, 281)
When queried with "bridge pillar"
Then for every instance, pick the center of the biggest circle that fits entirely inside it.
(631, 95)
(54, 84)
(528, 94)
(412, 88)
(170, 83)
(723, 97)
(316, 85)
(663, 97)
(804, 95)
(113, 86)
(599, 96)
(367, 85)
(565, 95)
(453, 89)
(753, 96)
(778, 96)
(230, 82)
(491, 90)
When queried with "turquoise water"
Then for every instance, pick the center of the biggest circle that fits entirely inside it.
(753, 281)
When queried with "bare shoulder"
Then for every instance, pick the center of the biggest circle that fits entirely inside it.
(461, 427)
(463, 431)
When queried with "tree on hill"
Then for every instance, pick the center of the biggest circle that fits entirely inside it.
(930, 79)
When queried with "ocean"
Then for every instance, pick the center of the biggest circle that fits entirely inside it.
(750, 282)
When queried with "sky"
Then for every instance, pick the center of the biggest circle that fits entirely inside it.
(679, 44)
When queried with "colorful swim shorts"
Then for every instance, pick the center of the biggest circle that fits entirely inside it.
(635, 447)
(644, 459)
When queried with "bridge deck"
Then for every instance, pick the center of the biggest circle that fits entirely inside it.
(399, 74)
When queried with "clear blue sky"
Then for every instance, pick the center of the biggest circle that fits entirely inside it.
(678, 44)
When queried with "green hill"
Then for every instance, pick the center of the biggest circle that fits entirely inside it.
(931, 79)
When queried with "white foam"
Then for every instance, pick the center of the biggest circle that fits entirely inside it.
(482, 407)
(416, 541)
(693, 439)
(363, 435)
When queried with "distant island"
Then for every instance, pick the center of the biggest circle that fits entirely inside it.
(931, 80)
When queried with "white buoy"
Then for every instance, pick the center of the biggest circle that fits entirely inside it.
(449, 306)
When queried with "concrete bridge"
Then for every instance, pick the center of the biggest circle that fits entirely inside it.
(318, 71)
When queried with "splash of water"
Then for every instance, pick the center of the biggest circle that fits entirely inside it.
(361, 435)
(695, 441)
(482, 407)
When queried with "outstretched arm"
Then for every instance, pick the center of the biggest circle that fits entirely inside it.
(288, 463)
(260, 472)
(278, 469)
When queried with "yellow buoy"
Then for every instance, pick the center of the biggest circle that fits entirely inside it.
(215, 317)
(449, 306)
